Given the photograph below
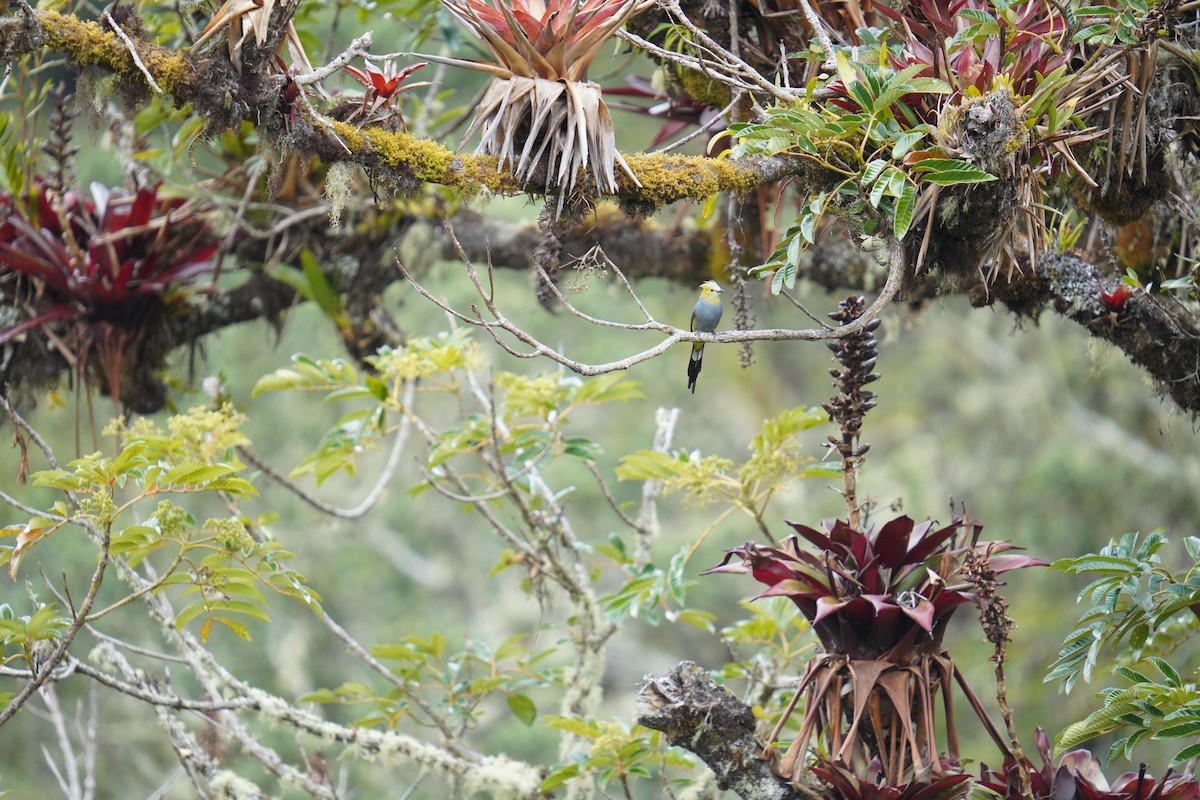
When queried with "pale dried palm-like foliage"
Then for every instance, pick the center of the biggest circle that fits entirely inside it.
(540, 113)
(240, 19)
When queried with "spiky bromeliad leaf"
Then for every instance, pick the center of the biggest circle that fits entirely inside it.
(540, 113)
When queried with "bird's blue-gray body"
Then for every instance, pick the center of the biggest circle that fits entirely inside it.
(705, 317)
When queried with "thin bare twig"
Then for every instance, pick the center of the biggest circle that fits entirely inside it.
(24, 425)
(133, 53)
(359, 47)
(499, 324)
(372, 498)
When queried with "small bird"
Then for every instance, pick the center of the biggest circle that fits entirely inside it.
(705, 317)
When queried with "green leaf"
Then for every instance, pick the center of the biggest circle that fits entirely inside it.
(319, 289)
(1131, 675)
(905, 142)
(579, 727)
(279, 380)
(1100, 30)
(558, 777)
(1169, 672)
(648, 465)
(703, 620)
(188, 614)
(1095, 563)
(58, 479)
(1190, 728)
(872, 171)
(613, 387)
(903, 217)
(194, 473)
(522, 708)
(45, 623)
(235, 486)
(951, 172)
(930, 86)
(1186, 754)
(878, 190)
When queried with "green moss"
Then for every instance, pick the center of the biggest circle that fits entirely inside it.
(89, 44)
(428, 161)
(667, 178)
(703, 89)
(84, 43)
(170, 70)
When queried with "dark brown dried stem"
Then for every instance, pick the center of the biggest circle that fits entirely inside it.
(857, 355)
(996, 624)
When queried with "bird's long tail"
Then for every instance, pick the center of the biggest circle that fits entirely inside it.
(694, 364)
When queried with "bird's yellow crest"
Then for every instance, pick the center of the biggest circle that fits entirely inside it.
(711, 291)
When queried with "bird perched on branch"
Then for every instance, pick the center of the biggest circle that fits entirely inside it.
(705, 317)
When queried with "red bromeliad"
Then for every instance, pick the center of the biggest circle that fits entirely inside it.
(867, 594)
(1078, 776)
(383, 87)
(104, 262)
(879, 602)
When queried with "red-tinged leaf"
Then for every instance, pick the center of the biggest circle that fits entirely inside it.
(869, 576)
(921, 613)
(18, 259)
(39, 249)
(789, 588)
(409, 70)
(25, 541)
(768, 571)
(943, 788)
(828, 605)
(1004, 563)
(812, 536)
(931, 542)
(847, 787)
(739, 567)
(194, 263)
(358, 76)
(56, 313)
(945, 601)
(859, 612)
(668, 131)
(123, 276)
(142, 208)
(879, 601)
(891, 543)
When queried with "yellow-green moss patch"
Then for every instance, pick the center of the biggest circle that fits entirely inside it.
(89, 44)
(667, 178)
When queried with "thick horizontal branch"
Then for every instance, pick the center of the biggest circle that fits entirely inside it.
(225, 97)
(1158, 332)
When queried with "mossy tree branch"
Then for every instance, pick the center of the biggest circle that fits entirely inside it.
(224, 97)
(1157, 333)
